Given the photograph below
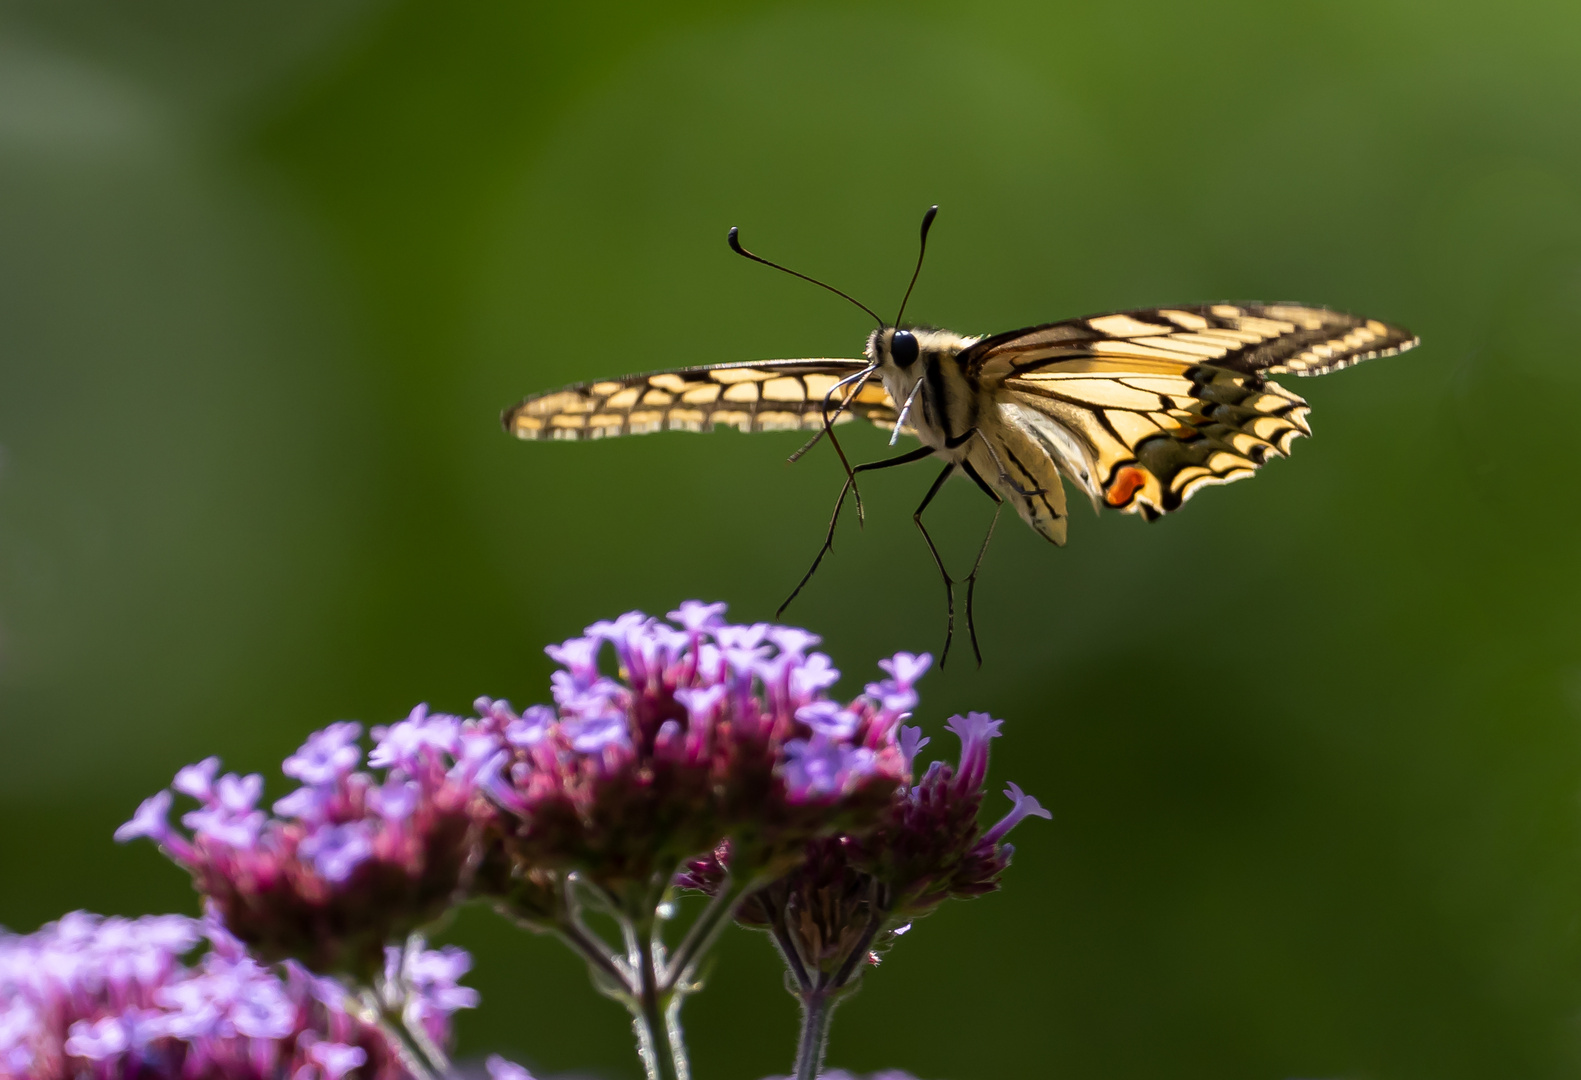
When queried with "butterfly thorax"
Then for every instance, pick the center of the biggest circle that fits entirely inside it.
(945, 400)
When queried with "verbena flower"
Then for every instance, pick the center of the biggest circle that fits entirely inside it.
(423, 985)
(91, 998)
(352, 859)
(926, 848)
(853, 895)
(929, 846)
(690, 752)
(705, 731)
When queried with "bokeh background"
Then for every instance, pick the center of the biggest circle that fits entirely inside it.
(269, 271)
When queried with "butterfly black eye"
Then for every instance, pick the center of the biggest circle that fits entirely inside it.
(903, 347)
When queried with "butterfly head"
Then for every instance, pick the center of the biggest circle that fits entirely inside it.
(903, 348)
(895, 351)
(903, 352)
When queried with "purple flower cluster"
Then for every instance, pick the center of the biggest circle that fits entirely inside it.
(705, 747)
(853, 894)
(91, 998)
(929, 846)
(352, 860)
(711, 731)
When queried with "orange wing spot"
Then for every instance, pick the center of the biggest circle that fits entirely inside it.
(1125, 486)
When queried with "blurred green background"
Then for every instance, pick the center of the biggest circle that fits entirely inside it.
(269, 271)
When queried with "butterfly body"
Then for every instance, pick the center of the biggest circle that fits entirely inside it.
(974, 425)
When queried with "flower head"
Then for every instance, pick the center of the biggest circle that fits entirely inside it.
(853, 895)
(930, 846)
(95, 998)
(349, 861)
(708, 731)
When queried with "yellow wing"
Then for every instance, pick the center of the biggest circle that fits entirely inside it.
(1142, 409)
(1253, 339)
(766, 395)
(1144, 436)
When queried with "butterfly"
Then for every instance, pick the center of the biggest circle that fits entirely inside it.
(1139, 410)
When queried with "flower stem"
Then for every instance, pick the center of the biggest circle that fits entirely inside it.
(608, 975)
(788, 949)
(432, 1052)
(389, 1021)
(703, 933)
(655, 1011)
(817, 1006)
(818, 1000)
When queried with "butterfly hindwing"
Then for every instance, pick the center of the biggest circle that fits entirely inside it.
(769, 395)
(1142, 437)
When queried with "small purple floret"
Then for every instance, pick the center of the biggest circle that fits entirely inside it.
(151, 820)
(819, 767)
(975, 731)
(829, 718)
(578, 655)
(197, 780)
(327, 755)
(336, 1059)
(336, 850)
(1025, 806)
(500, 1069)
(698, 617)
(912, 740)
(906, 668)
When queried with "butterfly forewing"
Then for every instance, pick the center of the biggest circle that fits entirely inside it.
(770, 395)
(1266, 339)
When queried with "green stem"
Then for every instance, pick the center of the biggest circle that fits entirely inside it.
(656, 1011)
(817, 1006)
(788, 948)
(703, 933)
(818, 1001)
(601, 960)
(431, 1051)
(389, 1022)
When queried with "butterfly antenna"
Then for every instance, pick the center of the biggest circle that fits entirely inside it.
(734, 240)
(927, 223)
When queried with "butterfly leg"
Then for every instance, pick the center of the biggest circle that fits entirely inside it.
(1004, 477)
(971, 580)
(949, 582)
(860, 378)
(850, 481)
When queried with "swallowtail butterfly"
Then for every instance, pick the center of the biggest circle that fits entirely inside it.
(1139, 410)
